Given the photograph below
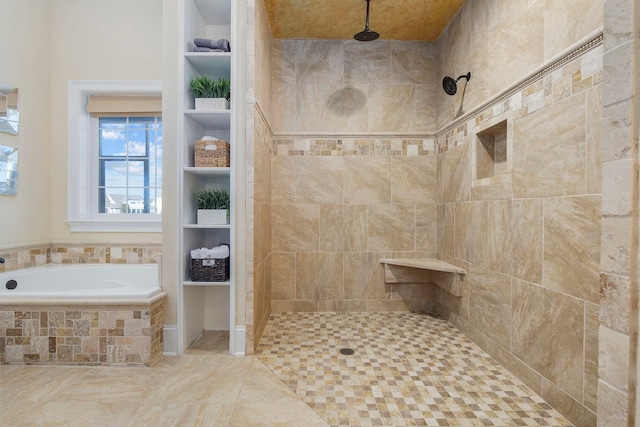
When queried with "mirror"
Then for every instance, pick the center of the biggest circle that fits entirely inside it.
(8, 170)
(9, 115)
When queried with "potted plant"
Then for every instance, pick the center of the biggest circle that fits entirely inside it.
(211, 93)
(213, 207)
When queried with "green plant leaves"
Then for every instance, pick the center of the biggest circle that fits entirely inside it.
(212, 199)
(210, 87)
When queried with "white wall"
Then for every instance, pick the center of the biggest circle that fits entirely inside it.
(96, 40)
(25, 62)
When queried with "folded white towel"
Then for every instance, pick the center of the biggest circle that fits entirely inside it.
(219, 252)
(208, 138)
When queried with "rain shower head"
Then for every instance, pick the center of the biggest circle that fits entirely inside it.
(366, 35)
(450, 85)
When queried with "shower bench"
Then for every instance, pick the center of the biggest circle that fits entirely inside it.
(408, 270)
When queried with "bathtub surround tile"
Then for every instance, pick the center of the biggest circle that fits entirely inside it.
(572, 246)
(549, 335)
(91, 335)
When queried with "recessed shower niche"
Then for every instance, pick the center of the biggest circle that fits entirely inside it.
(491, 151)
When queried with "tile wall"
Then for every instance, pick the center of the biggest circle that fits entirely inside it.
(340, 205)
(529, 234)
(81, 334)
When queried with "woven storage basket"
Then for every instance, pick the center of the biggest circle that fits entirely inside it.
(216, 158)
(210, 270)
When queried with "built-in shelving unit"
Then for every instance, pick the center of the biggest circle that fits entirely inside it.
(203, 305)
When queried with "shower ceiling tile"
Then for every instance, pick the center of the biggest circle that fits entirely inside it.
(341, 19)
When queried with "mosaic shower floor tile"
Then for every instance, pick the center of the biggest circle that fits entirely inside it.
(406, 370)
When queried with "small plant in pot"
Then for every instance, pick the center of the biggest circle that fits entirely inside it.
(213, 207)
(211, 93)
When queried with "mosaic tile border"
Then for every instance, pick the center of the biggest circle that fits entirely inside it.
(33, 256)
(353, 146)
(574, 73)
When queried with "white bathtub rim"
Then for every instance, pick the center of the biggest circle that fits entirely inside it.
(75, 302)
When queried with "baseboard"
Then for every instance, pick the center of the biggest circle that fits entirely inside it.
(170, 340)
(239, 341)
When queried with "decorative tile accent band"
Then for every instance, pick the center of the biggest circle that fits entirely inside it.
(570, 75)
(33, 256)
(353, 147)
(81, 334)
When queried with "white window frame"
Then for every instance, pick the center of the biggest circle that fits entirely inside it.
(82, 156)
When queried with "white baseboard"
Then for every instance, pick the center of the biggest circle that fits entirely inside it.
(239, 341)
(170, 340)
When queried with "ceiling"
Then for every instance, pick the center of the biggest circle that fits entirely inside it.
(341, 19)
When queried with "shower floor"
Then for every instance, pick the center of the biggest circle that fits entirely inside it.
(407, 370)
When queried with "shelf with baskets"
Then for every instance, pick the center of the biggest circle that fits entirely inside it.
(206, 292)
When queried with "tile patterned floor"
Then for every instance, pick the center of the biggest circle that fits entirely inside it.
(407, 370)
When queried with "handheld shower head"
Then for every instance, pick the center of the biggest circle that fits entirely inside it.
(450, 85)
(366, 35)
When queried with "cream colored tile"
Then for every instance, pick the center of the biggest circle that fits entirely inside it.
(56, 413)
(561, 29)
(426, 227)
(613, 358)
(413, 179)
(262, 385)
(283, 179)
(181, 414)
(191, 380)
(391, 227)
(319, 179)
(490, 303)
(367, 63)
(293, 306)
(454, 174)
(344, 108)
(319, 276)
(343, 228)
(367, 180)
(572, 246)
(594, 138)
(521, 370)
(413, 62)
(614, 406)
(283, 276)
(515, 238)
(295, 227)
(391, 108)
(446, 229)
(567, 405)
(319, 62)
(591, 326)
(284, 414)
(549, 151)
(39, 383)
(548, 335)
(363, 276)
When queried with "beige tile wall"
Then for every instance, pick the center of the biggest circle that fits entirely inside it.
(530, 235)
(500, 41)
(617, 390)
(338, 206)
(349, 86)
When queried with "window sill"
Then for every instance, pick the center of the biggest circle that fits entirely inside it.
(115, 226)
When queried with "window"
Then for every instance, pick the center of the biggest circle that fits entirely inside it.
(130, 165)
(115, 156)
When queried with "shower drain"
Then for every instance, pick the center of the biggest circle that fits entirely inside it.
(347, 351)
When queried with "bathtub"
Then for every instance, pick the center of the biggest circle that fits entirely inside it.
(82, 314)
(81, 281)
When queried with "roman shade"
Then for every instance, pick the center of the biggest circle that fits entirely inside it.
(115, 106)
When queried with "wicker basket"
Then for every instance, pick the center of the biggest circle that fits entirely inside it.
(210, 270)
(217, 157)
